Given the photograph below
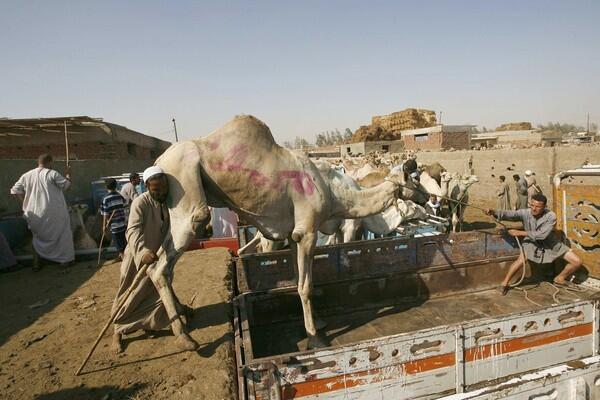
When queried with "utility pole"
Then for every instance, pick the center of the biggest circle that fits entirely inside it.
(175, 127)
(588, 124)
(440, 118)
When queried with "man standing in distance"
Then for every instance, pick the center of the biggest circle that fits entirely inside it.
(45, 210)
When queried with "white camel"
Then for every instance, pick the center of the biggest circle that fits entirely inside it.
(457, 189)
(240, 166)
(382, 223)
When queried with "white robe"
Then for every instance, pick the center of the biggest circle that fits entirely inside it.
(45, 211)
(224, 222)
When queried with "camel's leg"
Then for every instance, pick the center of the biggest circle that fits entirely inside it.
(188, 211)
(331, 239)
(250, 247)
(454, 221)
(305, 250)
(349, 230)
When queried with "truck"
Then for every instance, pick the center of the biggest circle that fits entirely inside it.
(421, 317)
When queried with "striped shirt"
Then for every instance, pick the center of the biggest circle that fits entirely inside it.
(113, 201)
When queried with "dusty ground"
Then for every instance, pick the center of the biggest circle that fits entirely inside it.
(49, 320)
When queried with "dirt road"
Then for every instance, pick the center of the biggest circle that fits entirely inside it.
(49, 319)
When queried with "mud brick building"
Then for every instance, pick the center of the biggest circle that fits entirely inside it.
(89, 139)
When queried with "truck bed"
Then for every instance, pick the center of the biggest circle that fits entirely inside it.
(287, 336)
(416, 318)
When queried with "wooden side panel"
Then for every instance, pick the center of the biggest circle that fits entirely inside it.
(577, 209)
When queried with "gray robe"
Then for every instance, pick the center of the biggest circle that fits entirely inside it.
(542, 244)
(503, 196)
(522, 194)
(147, 228)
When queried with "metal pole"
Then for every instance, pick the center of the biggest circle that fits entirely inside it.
(66, 142)
(175, 127)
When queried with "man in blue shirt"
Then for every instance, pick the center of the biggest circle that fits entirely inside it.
(113, 213)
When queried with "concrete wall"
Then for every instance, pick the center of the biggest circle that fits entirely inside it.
(545, 162)
(84, 172)
(394, 146)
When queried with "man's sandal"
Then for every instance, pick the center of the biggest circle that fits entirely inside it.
(503, 289)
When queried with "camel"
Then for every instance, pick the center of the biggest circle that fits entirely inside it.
(344, 230)
(457, 189)
(81, 237)
(239, 166)
(381, 223)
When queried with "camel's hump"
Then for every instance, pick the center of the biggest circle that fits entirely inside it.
(247, 128)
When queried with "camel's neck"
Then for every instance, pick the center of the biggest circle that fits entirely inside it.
(354, 203)
(444, 187)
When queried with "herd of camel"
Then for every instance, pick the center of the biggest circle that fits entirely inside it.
(285, 196)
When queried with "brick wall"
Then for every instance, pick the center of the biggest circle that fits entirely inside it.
(438, 141)
(433, 142)
(456, 140)
(80, 151)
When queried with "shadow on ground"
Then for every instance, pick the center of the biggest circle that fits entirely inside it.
(26, 295)
(84, 393)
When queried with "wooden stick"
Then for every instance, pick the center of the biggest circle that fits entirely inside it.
(102, 238)
(136, 281)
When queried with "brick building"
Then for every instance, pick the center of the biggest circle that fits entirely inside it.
(89, 138)
(439, 137)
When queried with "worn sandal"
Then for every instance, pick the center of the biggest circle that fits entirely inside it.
(503, 289)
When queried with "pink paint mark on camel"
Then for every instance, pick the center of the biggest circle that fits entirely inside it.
(301, 181)
(235, 159)
(214, 144)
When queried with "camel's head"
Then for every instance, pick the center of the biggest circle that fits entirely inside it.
(446, 176)
(469, 179)
(407, 189)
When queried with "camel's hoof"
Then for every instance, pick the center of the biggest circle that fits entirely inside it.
(185, 342)
(320, 324)
(316, 342)
(117, 344)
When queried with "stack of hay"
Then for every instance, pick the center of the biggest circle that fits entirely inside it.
(388, 127)
(371, 133)
(411, 118)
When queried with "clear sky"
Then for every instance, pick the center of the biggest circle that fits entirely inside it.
(303, 67)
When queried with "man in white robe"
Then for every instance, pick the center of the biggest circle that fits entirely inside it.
(45, 210)
(224, 223)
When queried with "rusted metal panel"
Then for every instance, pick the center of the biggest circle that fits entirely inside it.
(409, 365)
(569, 381)
(364, 259)
(532, 340)
(578, 215)
(431, 363)
(451, 249)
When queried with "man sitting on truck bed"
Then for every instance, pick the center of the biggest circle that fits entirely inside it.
(540, 242)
